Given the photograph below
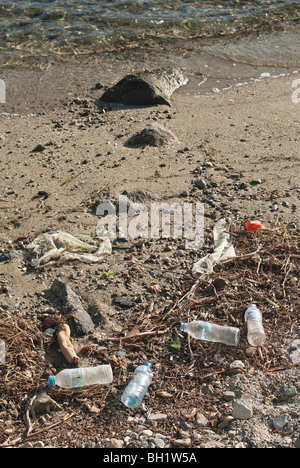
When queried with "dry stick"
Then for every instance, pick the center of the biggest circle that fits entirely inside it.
(183, 297)
(136, 335)
(27, 419)
(241, 257)
(70, 180)
(65, 345)
(51, 426)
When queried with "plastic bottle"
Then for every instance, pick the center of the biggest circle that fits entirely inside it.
(256, 334)
(136, 389)
(211, 332)
(72, 378)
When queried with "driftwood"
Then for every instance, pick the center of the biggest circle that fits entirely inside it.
(65, 345)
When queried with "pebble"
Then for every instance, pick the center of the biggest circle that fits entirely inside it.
(201, 420)
(255, 181)
(290, 392)
(181, 442)
(229, 396)
(10, 255)
(281, 421)
(200, 184)
(159, 443)
(115, 443)
(242, 409)
(295, 351)
(297, 443)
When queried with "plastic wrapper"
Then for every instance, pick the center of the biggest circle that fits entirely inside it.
(59, 247)
(223, 249)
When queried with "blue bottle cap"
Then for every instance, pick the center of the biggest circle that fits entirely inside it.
(183, 326)
(51, 380)
(148, 364)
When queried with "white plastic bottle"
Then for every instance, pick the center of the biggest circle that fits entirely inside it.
(211, 332)
(256, 333)
(136, 389)
(81, 377)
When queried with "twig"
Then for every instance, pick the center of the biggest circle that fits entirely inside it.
(136, 336)
(70, 180)
(27, 419)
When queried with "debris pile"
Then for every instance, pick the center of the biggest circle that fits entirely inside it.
(194, 381)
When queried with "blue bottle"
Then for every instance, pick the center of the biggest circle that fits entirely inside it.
(136, 389)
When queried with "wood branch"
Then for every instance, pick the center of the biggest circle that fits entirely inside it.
(65, 345)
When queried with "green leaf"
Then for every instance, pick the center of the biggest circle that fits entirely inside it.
(175, 345)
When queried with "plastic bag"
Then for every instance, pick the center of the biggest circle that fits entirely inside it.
(223, 249)
(59, 247)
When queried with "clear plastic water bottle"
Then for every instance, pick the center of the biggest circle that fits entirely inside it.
(207, 331)
(256, 333)
(81, 377)
(136, 389)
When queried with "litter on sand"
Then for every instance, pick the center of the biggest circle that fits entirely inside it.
(223, 249)
(59, 247)
(254, 225)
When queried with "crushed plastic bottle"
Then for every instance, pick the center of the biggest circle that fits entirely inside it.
(256, 334)
(81, 377)
(207, 331)
(136, 390)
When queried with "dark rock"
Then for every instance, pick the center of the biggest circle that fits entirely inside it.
(200, 184)
(124, 301)
(80, 321)
(153, 135)
(10, 255)
(146, 88)
(38, 149)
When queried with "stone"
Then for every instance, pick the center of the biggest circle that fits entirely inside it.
(290, 392)
(201, 420)
(152, 87)
(39, 148)
(153, 135)
(274, 207)
(255, 181)
(115, 443)
(237, 366)
(43, 403)
(242, 409)
(147, 433)
(124, 301)
(297, 443)
(228, 396)
(181, 442)
(9, 255)
(294, 351)
(281, 421)
(79, 321)
(200, 184)
(158, 442)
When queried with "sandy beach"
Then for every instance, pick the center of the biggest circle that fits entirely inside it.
(62, 151)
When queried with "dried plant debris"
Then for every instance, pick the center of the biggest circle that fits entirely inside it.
(201, 391)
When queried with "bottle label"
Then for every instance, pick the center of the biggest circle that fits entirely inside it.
(205, 329)
(76, 378)
(253, 313)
